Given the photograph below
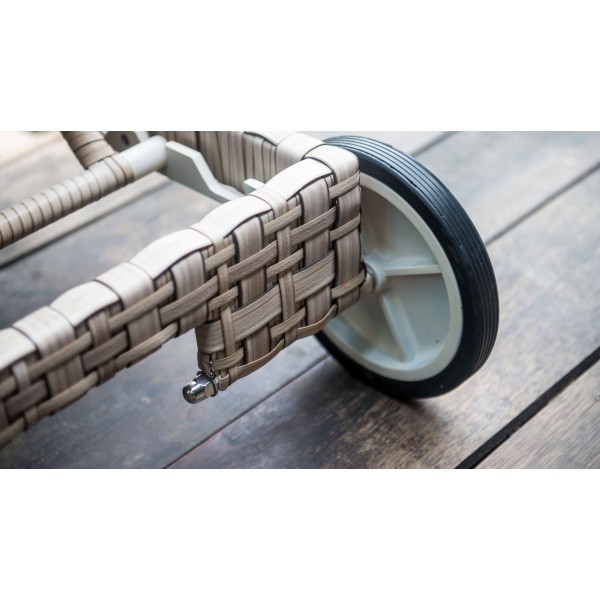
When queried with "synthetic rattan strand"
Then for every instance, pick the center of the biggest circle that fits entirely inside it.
(252, 277)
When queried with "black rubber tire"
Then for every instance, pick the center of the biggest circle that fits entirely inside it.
(467, 255)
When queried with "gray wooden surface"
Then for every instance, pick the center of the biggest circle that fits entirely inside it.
(563, 434)
(17, 144)
(533, 197)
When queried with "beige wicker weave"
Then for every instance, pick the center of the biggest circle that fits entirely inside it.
(252, 277)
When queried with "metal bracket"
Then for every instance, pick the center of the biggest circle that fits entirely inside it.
(252, 184)
(187, 166)
(184, 165)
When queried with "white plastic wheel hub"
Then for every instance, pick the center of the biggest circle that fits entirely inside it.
(410, 327)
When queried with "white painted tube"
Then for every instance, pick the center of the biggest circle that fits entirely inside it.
(147, 156)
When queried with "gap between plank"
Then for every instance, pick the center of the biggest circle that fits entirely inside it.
(41, 240)
(250, 408)
(502, 435)
(424, 148)
(553, 196)
(529, 412)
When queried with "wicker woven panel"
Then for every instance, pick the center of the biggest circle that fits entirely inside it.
(235, 156)
(89, 147)
(253, 276)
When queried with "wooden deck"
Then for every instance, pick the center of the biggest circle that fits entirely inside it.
(535, 199)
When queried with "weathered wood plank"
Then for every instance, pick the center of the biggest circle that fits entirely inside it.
(58, 162)
(548, 271)
(35, 171)
(564, 434)
(15, 144)
(139, 419)
(500, 176)
(38, 278)
(87, 447)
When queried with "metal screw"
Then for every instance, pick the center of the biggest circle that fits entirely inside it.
(201, 387)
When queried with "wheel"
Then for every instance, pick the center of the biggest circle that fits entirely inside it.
(432, 319)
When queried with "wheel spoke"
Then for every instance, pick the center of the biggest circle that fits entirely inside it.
(389, 234)
(409, 328)
(400, 326)
(410, 268)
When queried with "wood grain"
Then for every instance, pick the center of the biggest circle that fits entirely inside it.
(138, 419)
(548, 271)
(564, 434)
(500, 176)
